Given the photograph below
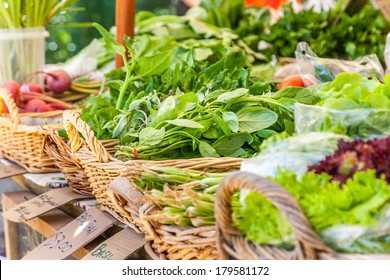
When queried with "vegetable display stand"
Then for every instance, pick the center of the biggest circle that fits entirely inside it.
(171, 242)
(59, 151)
(232, 245)
(23, 143)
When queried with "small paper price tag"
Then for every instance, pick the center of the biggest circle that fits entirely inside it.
(73, 236)
(9, 171)
(384, 7)
(41, 204)
(117, 247)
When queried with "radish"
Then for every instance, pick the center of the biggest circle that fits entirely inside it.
(58, 81)
(36, 105)
(58, 106)
(31, 87)
(13, 88)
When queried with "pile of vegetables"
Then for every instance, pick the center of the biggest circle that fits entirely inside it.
(330, 33)
(192, 88)
(59, 93)
(180, 101)
(360, 202)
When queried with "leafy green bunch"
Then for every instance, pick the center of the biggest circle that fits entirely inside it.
(331, 33)
(326, 203)
(30, 13)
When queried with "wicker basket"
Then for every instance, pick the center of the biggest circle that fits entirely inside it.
(22, 143)
(170, 242)
(59, 151)
(231, 245)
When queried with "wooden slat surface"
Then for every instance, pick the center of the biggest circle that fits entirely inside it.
(47, 224)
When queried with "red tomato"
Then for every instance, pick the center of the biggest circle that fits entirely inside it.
(292, 81)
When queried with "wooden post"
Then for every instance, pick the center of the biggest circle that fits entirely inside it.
(125, 17)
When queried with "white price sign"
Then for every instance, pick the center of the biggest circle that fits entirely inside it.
(73, 236)
(41, 204)
(117, 247)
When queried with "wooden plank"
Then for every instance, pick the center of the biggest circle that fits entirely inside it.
(11, 233)
(49, 223)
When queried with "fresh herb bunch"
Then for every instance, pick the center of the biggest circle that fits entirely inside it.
(30, 13)
(351, 37)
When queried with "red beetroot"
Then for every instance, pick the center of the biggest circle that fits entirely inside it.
(36, 105)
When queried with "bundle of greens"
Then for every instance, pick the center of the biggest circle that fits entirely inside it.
(185, 197)
(179, 101)
(34, 13)
(351, 37)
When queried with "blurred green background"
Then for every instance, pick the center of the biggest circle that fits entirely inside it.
(65, 42)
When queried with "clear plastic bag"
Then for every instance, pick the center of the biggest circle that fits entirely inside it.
(387, 53)
(295, 153)
(357, 123)
(357, 239)
(314, 69)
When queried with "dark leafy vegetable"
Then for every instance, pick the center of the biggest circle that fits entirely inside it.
(355, 156)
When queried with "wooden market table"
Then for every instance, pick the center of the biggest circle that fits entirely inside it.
(49, 223)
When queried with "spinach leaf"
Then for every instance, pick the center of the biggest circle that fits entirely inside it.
(155, 64)
(185, 123)
(150, 136)
(231, 120)
(229, 144)
(206, 150)
(254, 119)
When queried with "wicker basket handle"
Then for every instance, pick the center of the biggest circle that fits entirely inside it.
(12, 108)
(307, 243)
(73, 124)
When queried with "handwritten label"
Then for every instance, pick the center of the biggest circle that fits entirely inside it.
(41, 204)
(117, 247)
(384, 6)
(9, 171)
(73, 236)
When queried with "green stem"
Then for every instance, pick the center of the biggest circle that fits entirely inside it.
(128, 79)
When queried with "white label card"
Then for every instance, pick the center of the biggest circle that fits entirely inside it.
(117, 247)
(41, 204)
(73, 236)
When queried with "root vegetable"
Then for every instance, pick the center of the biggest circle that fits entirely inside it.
(31, 87)
(13, 88)
(36, 105)
(58, 81)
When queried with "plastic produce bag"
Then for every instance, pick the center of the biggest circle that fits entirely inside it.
(387, 53)
(314, 69)
(358, 239)
(295, 153)
(359, 123)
